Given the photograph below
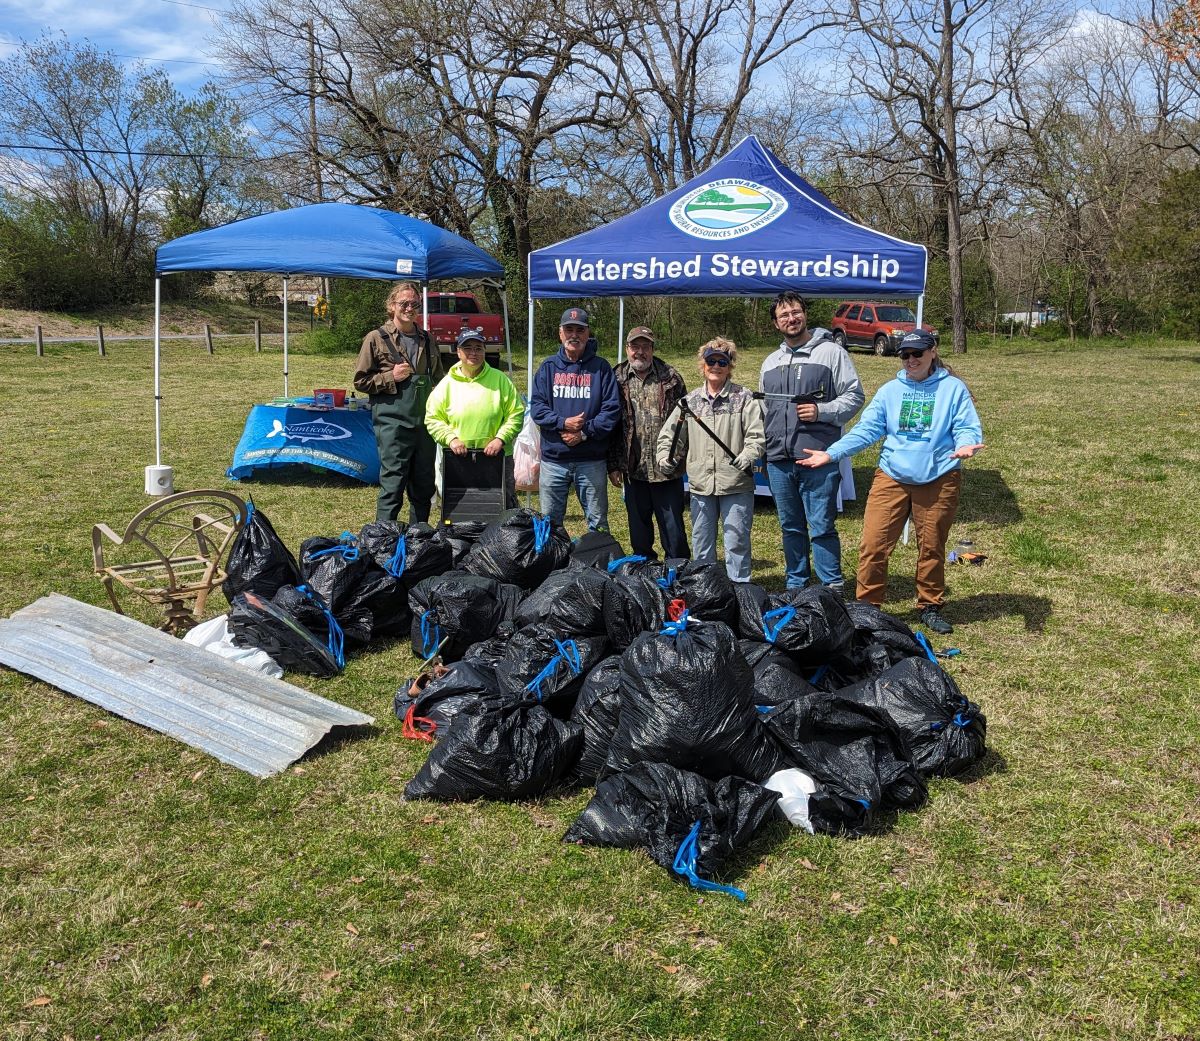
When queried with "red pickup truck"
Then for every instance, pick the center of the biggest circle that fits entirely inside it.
(451, 313)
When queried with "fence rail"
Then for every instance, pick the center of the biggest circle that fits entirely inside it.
(104, 338)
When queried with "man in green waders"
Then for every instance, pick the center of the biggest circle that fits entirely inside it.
(397, 367)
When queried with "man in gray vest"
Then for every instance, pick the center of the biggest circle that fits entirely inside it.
(397, 367)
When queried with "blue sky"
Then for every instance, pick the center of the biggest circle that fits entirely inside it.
(173, 35)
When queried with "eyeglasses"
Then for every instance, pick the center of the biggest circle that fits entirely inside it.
(905, 355)
(783, 316)
(470, 347)
(407, 305)
(719, 363)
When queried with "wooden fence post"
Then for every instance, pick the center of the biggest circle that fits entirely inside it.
(100, 338)
(208, 337)
(257, 337)
(37, 335)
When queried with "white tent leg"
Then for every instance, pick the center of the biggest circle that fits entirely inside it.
(529, 371)
(920, 309)
(285, 336)
(620, 328)
(507, 337)
(157, 371)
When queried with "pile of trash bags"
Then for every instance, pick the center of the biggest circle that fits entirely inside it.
(699, 709)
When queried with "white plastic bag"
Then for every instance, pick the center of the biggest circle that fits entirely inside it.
(527, 455)
(794, 788)
(214, 635)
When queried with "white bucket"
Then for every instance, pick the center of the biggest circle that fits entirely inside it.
(160, 480)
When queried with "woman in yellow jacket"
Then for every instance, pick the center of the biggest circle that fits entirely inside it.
(476, 406)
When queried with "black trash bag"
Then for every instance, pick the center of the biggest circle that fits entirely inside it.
(945, 731)
(259, 561)
(688, 824)
(810, 624)
(880, 641)
(706, 591)
(633, 604)
(752, 601)
(510, 752)
(428, 714)
(596, 710)
(777, 677)
(594, 549)
(384, 600)
(520, 547)
(854, 751)
(487, 652)
(257, 622)
(461, 609)
(572, 600)
(460, 537)
(408, 554)
(687, 700)
(545, 665)
(333, 568)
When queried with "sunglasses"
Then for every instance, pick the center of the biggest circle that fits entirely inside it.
(407, 305)
(905, 355)
(719, 363)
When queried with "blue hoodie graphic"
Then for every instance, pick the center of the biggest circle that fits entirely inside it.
(922, 423)
(563, 388)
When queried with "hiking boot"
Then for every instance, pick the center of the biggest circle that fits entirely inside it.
(932, 619)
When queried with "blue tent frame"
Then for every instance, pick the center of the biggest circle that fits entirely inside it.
(329, 240)
(747, 226)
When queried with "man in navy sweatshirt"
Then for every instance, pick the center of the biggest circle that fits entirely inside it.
(577, 405)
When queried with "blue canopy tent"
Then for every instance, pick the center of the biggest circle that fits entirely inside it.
(747, 226)
(330, 240)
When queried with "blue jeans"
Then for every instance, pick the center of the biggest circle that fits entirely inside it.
(807, 504)
(588, 477)
(736, 513)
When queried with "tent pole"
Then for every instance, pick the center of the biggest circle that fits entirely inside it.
(507, 338)
(157, 365)
(425, 305)
(529, 371)
(621, 328)
(920, 308)
(285, 336)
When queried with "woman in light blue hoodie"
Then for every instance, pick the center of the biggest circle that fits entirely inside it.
(928, 422)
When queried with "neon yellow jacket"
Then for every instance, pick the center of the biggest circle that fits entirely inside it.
(475, 409)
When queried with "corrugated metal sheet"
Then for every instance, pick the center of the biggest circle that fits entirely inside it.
(253, 722)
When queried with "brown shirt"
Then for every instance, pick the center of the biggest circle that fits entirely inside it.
(373, 368)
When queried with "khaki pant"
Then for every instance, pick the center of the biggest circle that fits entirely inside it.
(933, 507)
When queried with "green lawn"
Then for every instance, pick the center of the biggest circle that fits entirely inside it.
(147, 891)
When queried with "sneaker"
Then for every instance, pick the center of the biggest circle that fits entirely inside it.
(837, 587)
(932, 618)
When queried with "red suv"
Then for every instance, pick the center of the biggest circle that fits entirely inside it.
(863, 323)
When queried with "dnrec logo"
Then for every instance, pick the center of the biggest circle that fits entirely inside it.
(726, 209)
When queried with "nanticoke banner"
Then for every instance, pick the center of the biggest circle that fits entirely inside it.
(341, 439)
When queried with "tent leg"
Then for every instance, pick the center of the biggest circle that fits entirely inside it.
(529, 371)
(920, 309)
(285, 336)
(157, 371)
(620, 328)
(507, 337)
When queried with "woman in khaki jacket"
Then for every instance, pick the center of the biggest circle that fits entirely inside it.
(721, 482)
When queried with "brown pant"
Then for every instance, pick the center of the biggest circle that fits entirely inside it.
(933, 507)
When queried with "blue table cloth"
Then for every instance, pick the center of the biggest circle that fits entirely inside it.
(338, 439)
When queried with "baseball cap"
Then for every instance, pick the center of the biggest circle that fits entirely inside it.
(917, 340)
(642, 332)
(469, 336)
(574, 316)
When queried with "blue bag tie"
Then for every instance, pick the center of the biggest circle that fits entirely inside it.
(667, 580)
(336, 640)
(568, 651)
(685, 865)
(676, 627)
(398, 561)
(541, 533)
(347, 546)
(431, 635)
(784, 615)
(818, 674)
(924, 642)
(633, 559)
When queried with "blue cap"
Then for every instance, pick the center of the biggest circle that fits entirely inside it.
(574, 316)
(469, 336)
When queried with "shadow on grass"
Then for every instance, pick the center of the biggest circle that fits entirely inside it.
(300, 475)
(983, 607)
(991, 762)
(337, 738)
(985, 498)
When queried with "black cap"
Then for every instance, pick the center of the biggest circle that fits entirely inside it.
(917, 340)
(574, 316)
(469, 336)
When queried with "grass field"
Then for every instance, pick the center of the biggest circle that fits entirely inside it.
(147, 891)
